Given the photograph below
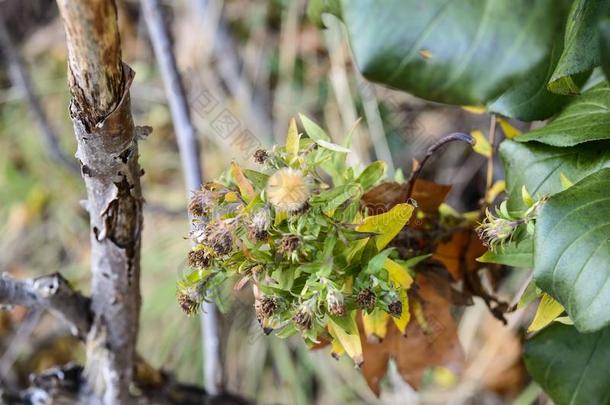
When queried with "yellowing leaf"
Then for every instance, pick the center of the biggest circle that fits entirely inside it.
(244, 185)
(548, 310)
(475, 109)
(336, 348)
(279, 217)
(481, 146)
(526, 197)
(498, 187)
(398, 274)
(444, 377)
(565, 182)
(509, 131)
(292, 140)
(231, 196)
(402, 322)
(388, 224)
(345, 330)
(375, 325)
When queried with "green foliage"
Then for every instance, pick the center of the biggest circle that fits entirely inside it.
(572, 367)
(585, 119)
(457, 52)
(539, 167)
(297, 232)
(572, 260)
(581, 50)
(515, 254)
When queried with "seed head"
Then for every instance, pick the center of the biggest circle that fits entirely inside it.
(395, 308)
(189, 300)
(366, 299)
(288, 190)
(334, 300)
(198, 258)
(259, 225)
(261, 156)
(288, 244)
(220, 239)
(304, 315)
(265, 307)
(200, 202)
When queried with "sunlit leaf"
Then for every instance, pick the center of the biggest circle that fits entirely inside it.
(388, 224)
(547, 311)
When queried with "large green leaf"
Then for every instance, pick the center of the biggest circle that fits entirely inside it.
(570, 366)
(572, 250)
(581, 50)
(539, 167)
(604, 46)
(585, 119)
(457, 52)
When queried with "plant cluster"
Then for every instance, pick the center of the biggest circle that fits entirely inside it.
(298, 232)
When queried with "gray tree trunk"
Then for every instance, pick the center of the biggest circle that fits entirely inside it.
(108, 152)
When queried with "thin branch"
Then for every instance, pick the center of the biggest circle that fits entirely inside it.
(456, 136)
(51, 292)
(188, 145)
(21, 79)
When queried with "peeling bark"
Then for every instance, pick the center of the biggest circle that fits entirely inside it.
(108, 152)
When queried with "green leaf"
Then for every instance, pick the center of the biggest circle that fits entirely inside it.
(512, 254)
(572, 250)
(458, 52)
(571, 367)
(604, 46)
(529, 99)
(581, 50)
(292, 140)
(372, 174)
(539, 167)
(313, 130)
(585, 119)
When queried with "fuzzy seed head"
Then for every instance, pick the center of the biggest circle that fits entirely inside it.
(288, 190)
(335, 302)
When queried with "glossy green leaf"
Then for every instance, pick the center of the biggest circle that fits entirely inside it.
(581, 50)
(585, 119)
(539, 167)
(529, 99)
(572, 250)
(459, 52)
(512, 254)
(571, 367)
(604, 46)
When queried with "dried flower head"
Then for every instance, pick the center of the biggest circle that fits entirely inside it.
(265, 307)
(395, 308)
(288, 244)
(189, 299)
(261, 221)
(334, 300)
(304, 316)
(198, 258)
(495, 231)
(261, 156)
(219, 238)
(366, 299)
(200, 202)
(288, 190)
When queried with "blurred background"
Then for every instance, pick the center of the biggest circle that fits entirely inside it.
(248, 67)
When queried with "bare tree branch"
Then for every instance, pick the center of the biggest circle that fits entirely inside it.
(188, 145)
(21, 79)
(108, 151)
(51, 292)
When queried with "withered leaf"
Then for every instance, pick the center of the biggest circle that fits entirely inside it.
(417, 350)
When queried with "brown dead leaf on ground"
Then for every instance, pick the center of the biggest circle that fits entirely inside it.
(435, 344)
